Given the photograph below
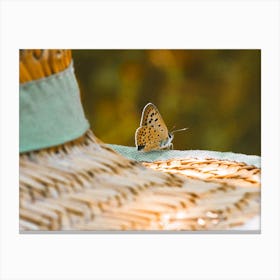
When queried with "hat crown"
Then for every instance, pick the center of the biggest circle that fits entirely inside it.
(37, 64)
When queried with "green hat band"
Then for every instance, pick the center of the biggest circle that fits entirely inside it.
(51, 112)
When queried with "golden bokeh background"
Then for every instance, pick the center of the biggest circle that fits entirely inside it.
(215, 93)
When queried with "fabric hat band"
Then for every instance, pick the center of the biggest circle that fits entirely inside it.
(51, 112)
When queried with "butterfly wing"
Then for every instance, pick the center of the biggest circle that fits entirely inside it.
(152, 130)
(152, 118)
(145, 140)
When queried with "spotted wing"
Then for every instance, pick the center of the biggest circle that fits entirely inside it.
(152, 118)
(147, 139)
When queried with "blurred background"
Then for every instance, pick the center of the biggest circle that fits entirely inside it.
(215, 93)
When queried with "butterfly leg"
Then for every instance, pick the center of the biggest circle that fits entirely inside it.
(168, 147)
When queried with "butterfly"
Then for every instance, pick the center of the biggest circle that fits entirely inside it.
(153, 133)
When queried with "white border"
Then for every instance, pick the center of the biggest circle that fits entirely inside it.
(153, 24)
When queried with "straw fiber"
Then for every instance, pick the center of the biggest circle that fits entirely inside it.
(85, 185)
(37, 64)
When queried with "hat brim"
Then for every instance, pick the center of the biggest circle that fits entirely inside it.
(86, 185)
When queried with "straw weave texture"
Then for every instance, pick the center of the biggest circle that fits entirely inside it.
(85, 185)
(36, 64)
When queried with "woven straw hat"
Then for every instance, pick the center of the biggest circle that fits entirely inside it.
(70, 180)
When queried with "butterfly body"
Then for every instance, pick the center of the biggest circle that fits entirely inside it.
(152, 133)
(167, 143)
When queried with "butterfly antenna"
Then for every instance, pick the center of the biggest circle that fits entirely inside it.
(179, 130)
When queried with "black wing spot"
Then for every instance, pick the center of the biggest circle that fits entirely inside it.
(159, 125)
(141, 147)
(156, 119)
